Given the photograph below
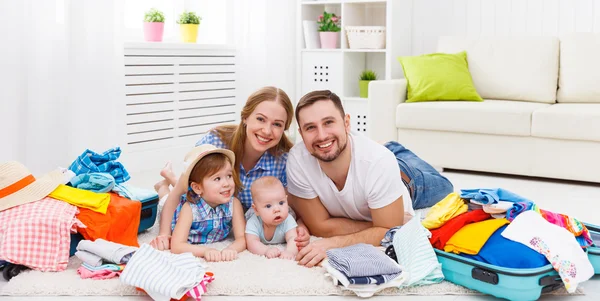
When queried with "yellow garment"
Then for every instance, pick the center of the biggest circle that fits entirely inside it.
(82, 198)
(451, 206)
(471, 238)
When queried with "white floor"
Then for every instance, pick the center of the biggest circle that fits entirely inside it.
(581, 200)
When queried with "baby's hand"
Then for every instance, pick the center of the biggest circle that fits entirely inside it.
(212, 255)
(287, 255)
(273, 252)
(228, 255)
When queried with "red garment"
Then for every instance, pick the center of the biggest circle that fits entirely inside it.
(120, 223)
(441, 235)
(38, 234)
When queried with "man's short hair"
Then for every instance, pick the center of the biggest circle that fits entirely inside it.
(311, 97)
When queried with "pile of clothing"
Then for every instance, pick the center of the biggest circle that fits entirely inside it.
(491, 225)
(146, 270)
(102, 259)
(363, 269)
(86, 198)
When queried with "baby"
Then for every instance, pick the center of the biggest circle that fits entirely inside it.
(270, 224)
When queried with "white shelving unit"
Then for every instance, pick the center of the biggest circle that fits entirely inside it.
(338, 70)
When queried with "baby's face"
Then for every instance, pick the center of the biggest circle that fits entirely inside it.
(271, 206)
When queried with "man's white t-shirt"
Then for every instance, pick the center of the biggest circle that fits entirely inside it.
(373, 180)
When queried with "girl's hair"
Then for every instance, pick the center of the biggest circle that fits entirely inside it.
(234, 136)
(206, 167)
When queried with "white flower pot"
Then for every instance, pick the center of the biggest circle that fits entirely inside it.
(311, 34)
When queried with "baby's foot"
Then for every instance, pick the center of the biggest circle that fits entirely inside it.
(162, 183)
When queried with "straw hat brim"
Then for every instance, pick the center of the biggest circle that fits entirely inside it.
(186, 175)
(35, 191)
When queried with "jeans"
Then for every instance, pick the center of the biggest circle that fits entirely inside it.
(427, 186)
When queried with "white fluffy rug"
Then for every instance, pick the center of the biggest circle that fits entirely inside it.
(248, 275)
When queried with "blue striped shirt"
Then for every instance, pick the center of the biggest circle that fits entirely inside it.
(208, 224)
(268, 165)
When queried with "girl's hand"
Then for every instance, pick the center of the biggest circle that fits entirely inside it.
(303, 238)
(228, 255)
(212, 255)
(161, 242)
(287, 255)
(273, 252)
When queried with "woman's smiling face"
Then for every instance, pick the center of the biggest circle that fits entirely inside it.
(265, 125)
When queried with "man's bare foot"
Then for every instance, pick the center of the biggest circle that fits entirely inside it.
(168, 174)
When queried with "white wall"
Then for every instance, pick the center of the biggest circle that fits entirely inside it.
(265, 37)
(434, 18)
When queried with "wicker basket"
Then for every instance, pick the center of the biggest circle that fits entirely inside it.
(366, 37)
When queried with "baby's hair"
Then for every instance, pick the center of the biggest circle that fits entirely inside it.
(264, 182)
(208, 166)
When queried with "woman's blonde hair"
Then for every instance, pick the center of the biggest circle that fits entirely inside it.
(234, 136)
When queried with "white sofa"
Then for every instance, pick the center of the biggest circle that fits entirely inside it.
(540, 115)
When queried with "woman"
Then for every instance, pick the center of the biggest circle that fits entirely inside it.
(260, 146)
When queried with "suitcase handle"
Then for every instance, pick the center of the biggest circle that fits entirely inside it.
(484, 275)
(550, 283)
(146, 213)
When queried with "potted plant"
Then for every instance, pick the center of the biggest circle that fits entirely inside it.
(329, 30)
(154, 25)
(188, 24)
(363, 84)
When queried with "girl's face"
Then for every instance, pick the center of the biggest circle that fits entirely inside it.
(265, 126)
(218, 188)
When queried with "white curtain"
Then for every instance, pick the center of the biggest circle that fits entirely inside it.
(265, 37)
(63, 85)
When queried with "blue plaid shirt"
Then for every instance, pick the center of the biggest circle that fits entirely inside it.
(90, 161)
(208, 224)
(268, 165)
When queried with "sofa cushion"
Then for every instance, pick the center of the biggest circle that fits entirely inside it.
(579, 65)
(512, 68)
(567, 121)
(438, 76)
(499, 117)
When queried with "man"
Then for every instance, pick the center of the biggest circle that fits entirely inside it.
(348, 188)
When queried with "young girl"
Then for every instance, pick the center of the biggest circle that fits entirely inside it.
(208, 212)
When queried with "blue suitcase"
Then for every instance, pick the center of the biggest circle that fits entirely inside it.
(147, 219)
(509, 283)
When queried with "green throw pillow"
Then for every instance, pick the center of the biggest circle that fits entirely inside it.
(438, 76)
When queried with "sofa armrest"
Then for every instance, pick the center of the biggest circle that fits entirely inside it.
(384, 97)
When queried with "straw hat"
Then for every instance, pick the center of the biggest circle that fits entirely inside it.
(198, 152)
(18, 186)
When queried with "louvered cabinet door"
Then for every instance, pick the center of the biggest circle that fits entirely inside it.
(174, 96)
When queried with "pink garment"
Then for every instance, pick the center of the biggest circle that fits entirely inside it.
(200, 289)
(97, 275)
(38, 234)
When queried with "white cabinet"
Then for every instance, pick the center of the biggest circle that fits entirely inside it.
(339, 69)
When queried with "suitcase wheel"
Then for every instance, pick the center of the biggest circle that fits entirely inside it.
(12, 270)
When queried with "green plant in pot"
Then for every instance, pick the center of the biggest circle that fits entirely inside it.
(329, 29)
(188, 24)
(154, 25)
(363, 84)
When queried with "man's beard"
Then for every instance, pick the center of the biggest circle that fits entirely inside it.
(333, 156)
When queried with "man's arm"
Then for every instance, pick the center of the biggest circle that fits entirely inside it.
(320, 223)
(383, 219)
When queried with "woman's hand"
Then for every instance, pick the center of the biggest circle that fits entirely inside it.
(161, 242)
(228, 255)
(273, 252)
(303, 237)
(212, 255)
